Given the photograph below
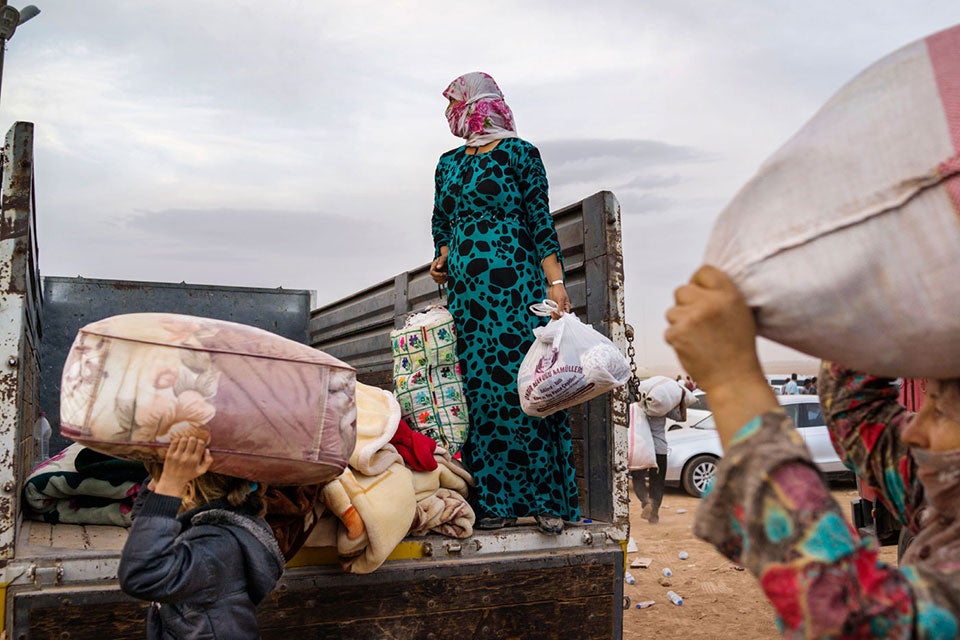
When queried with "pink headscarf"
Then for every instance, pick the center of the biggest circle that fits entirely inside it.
(479, 113)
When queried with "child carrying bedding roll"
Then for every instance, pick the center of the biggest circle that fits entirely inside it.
(199, 549)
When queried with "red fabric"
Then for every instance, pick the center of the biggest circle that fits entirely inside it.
(781, 585)
(415, 448)
(943, 48)
(871, 432)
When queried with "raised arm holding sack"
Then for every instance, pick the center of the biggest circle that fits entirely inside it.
(771, 510)
(878, 172)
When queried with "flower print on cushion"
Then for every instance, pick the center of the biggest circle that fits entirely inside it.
(273, 410)
(478, 111)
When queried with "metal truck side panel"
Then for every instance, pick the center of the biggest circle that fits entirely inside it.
(580, 593)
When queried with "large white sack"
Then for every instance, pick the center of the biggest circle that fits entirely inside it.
(847, 240)
(659, 395)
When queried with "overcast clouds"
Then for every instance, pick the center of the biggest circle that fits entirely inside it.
(292, 143)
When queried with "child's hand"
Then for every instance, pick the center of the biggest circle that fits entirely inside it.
(187, 459)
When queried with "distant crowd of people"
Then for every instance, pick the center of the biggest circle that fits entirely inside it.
(793, 386)
(689, 383)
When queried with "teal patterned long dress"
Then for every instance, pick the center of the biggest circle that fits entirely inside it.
(492, 210)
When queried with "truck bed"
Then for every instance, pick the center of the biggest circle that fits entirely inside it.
(45, 540)
(432, 587)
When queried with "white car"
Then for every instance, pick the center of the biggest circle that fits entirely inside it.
(693, 447)
(699, 402)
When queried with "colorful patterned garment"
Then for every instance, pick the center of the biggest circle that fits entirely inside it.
(771, 510)
(478, 112)
(491, 209)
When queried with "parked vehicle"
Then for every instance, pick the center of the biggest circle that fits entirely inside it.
(694, 417)
(60, 580)
(694, 445)
(699, 402)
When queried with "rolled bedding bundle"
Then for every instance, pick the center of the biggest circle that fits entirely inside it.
(273, 410)
(845, 242)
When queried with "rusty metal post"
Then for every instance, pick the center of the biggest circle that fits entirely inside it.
(3, 48)
(15, 263)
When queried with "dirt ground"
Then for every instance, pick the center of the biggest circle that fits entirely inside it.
(719, 602)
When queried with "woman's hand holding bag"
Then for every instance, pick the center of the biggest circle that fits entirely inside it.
(569, 363)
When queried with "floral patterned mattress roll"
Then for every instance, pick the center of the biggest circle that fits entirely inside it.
(274, 410)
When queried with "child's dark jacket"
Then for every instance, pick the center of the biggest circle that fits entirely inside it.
(204, 571)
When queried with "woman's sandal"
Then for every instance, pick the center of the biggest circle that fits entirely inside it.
(495, 522)
(548, 524)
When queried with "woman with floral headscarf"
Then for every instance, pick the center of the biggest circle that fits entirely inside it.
(771, 510)
(497, 249)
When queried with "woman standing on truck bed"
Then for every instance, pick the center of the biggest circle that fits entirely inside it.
(496, 245)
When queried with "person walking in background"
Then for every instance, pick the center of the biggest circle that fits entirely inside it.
(498, 252)
(648, 484)
(199, 549)
(791, 388)
(810, 386)
(771, 510)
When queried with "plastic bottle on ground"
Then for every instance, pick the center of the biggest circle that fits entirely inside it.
(628, 578)
(41, 435)
(666, 572)
(674, 598)
(645, 604)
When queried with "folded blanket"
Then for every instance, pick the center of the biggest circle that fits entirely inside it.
(448, 474)
(377, 500)
(80, 486)
(376, 513)
(445, 511)
(378, 415)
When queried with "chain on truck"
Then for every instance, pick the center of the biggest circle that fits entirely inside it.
(60, 580)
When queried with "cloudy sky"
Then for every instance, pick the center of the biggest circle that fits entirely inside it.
(293, 142)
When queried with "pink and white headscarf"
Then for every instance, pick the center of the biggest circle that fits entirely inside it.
(478, 112)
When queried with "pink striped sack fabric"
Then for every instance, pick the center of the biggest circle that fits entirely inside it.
(847, 241)
(274, 410)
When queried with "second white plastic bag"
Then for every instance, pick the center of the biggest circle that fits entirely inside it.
(641, 453)
(569, 363)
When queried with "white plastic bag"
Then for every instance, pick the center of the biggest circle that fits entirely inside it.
(568, 363)
(642, 454)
